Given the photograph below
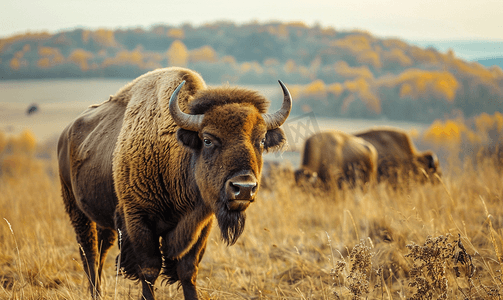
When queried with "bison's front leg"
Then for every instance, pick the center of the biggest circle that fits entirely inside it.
(149, 257)
(140, 254)
(183, 248)
(188, 265)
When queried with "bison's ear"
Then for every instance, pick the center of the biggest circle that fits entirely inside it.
(189, 139)
(274, 140)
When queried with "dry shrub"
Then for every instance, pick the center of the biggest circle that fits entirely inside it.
(18, 156)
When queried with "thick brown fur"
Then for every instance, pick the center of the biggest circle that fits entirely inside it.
(127, 168)
(336, 157)
(398, 159)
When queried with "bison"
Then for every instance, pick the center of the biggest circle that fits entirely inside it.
(155, 164)
(398, 159)
(337, 157)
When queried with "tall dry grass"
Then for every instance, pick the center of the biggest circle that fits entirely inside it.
(428, 241)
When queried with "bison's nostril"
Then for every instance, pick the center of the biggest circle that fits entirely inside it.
(234, 189)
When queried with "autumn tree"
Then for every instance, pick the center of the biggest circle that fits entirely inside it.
(124, 57)
(18, 60)
(49, 57)
(176, 33)
(203, 54)
(80, 57)
(177, 54)
(103, 37)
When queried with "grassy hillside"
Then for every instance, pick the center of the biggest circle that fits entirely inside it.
(338, 73)
(440, 241)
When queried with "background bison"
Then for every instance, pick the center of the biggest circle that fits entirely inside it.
(156, 162)
(335, 157)
(398, 159)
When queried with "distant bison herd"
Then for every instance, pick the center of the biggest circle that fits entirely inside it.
(156, 163)
(334, 158)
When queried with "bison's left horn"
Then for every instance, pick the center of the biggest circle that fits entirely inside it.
(277, 119)
(185, 121)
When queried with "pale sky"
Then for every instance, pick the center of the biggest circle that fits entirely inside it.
(405, 19)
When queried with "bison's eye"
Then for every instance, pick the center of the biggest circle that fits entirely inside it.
(262, 142)
(207, 142)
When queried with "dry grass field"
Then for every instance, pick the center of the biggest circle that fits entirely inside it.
(428, 241)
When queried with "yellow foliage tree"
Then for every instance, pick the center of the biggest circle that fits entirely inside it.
(104, 37)
(177, 54)
(49, 57)
(125, 57)
(395, 43)
(44, 62)
(18, 61)
(15, 63)
(316, 89)
(423, 56)
(203, 54)
(39, 36)
(336, 89)
(176, 33)
(295, 91)
(361, 89)
(353, 43)
(449, 132)
(416, 83)
(369, 57)
(80, 57)
(396, 57)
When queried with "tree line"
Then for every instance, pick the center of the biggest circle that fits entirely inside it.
(331, 72)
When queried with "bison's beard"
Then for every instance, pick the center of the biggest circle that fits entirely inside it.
(231, 223)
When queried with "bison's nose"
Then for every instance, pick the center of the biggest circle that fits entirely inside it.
(241, 190)
(241, 187)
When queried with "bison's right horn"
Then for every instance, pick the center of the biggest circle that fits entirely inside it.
(185, 121)
(277, 119)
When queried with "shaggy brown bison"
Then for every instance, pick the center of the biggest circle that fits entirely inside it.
(398, 159)
(337, 157)
(156, 163)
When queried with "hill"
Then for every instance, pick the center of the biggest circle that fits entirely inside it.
(471, 50)
(493, 61)
(337, 73)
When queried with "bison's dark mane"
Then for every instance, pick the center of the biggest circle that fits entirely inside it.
(206, 99)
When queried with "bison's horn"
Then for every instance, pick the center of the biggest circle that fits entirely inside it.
(185, 121)
(277, 119)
